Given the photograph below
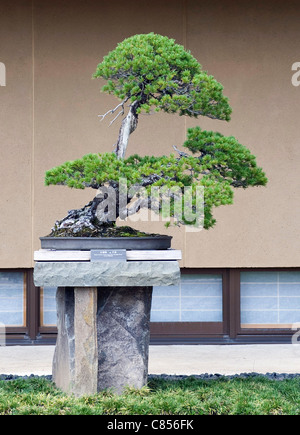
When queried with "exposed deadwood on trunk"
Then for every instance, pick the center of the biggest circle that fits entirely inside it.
(128, 126)
(111, 111)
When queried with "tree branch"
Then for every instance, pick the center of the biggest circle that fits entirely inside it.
(111, 111)
(181, 153)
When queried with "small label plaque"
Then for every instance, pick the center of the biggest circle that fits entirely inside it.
(108, 255)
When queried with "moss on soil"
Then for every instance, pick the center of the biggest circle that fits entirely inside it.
(101, 231)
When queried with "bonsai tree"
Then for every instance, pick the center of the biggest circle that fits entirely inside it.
(150, 72)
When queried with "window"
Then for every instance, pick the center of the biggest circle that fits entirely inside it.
(198, 298)
(48, 306)
(13, 298)
(270, 299)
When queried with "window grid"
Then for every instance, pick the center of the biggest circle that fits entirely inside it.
(13, 299)
(279, 307)
(48, 306)
(205, 291)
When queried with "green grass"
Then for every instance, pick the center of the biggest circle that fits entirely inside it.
(190, 396)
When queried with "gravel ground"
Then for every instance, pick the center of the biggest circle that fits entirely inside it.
(205, 376)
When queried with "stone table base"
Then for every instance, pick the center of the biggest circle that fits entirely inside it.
(103, 339)
(103, 321)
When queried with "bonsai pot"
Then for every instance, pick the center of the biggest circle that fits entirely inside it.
(88, 243)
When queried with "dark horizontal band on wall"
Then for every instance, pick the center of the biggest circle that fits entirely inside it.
(228, 331)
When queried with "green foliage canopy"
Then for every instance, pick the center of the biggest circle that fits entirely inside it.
(218, 163)
(155, 71)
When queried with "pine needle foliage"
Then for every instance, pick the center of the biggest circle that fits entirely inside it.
(155, 71)
(151, 71)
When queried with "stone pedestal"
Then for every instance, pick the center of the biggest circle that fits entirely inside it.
(103, 321)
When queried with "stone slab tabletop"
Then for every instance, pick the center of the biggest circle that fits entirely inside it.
(106, 274)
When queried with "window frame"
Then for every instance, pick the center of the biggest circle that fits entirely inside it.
(187, 332)
(44, 329)
(15, 331)
(257, 335)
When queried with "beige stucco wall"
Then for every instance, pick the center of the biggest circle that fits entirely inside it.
(16, 130)
(49, 108)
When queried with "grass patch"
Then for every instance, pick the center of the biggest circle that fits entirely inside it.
(190, 396)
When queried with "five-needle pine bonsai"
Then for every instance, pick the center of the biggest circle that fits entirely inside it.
(151, 72)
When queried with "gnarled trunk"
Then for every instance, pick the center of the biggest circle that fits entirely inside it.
(81, 222)
(98, 217)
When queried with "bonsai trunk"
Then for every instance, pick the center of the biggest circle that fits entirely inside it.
(82, 222)
(128, 126)
(98, 217)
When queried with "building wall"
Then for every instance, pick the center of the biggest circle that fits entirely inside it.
(49, 108)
